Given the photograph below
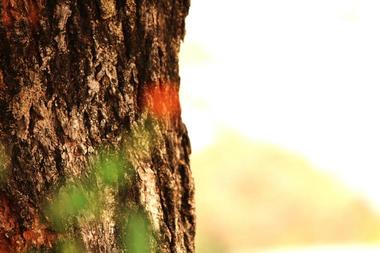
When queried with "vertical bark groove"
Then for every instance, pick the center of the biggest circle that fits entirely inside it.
(77, 77)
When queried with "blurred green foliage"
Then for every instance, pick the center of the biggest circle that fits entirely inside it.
(110, 167)
(143, 136)
(71, 201)
(136, 234)
(87, 197)
(68, 246)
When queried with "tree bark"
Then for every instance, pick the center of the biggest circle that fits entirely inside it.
(80, 82)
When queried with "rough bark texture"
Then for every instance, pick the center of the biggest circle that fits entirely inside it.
(79, 76)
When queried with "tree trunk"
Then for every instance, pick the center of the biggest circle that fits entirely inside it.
(94, 155)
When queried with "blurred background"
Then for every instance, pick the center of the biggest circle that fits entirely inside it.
(281, 100)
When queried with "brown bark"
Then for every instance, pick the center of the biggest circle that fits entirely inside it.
(78, 77)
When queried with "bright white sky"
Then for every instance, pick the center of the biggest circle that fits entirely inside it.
(301, 74)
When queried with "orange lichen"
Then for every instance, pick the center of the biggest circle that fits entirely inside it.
(8, 226)
(33, 16)
(16, 10)
(38, 235)
(161, 100)
(5, 13)
(7, 220)
(13, 239)
(2, 83)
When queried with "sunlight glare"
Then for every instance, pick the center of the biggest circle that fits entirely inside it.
(300, 74)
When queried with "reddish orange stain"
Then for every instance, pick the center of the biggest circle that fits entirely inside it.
(5, 17)
(2, 84)
(33, 17)
(8, 222)
(35, 238)
(15, 10)
(4, 247)
(161, 100)
(14, 239)
(8, 225)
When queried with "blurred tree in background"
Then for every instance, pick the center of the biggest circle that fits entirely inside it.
(94, 155)
(279, 200)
